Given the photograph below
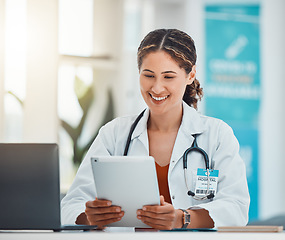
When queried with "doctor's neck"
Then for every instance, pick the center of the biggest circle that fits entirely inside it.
(166, 122)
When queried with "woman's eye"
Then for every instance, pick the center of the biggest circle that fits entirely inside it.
(149, 76)
(168, 77)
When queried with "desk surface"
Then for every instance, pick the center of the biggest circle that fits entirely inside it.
(141, 236)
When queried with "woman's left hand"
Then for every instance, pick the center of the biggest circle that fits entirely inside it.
(162, 217)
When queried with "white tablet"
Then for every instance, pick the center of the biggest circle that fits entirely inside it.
(127, 181)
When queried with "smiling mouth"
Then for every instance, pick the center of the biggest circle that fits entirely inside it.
(158, 98)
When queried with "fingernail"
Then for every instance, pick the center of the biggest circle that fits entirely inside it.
(139, 217)
(109, 203)
(118, 209)
(144, 208)
(121, 214)
(139, 212)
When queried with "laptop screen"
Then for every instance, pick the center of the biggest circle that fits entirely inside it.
(29, 186)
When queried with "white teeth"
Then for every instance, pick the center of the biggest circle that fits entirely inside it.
(158, 98)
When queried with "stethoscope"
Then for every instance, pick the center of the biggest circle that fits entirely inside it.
(193, 148)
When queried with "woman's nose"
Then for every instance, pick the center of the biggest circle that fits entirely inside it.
(158, 86)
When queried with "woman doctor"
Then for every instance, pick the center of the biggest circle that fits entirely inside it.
(166, 63)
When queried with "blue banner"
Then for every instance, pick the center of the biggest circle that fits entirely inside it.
(232, 84)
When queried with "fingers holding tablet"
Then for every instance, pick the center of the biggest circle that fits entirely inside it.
(101, 212)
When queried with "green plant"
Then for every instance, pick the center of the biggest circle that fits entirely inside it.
(85, 96)
(21, 102)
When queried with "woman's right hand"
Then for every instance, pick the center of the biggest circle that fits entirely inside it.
(102, 212)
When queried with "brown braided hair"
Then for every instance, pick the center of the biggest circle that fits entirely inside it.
(180, 46)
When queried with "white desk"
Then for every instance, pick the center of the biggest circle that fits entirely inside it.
(142, 236)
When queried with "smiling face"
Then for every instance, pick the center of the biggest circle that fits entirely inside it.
(163, 83)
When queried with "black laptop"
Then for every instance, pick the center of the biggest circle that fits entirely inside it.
(30, 188)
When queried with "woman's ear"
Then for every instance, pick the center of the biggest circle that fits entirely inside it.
(192, 75)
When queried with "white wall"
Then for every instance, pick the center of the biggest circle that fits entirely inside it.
(2, 24)
(272, 140)
(40, 109)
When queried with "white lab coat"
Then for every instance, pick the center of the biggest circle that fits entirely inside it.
(231, 203)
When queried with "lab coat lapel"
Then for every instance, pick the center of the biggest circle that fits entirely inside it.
(140, 131)
(191, 124)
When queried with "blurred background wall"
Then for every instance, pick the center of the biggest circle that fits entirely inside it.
(68, 66)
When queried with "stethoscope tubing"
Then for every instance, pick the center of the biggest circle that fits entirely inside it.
(195, 148)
